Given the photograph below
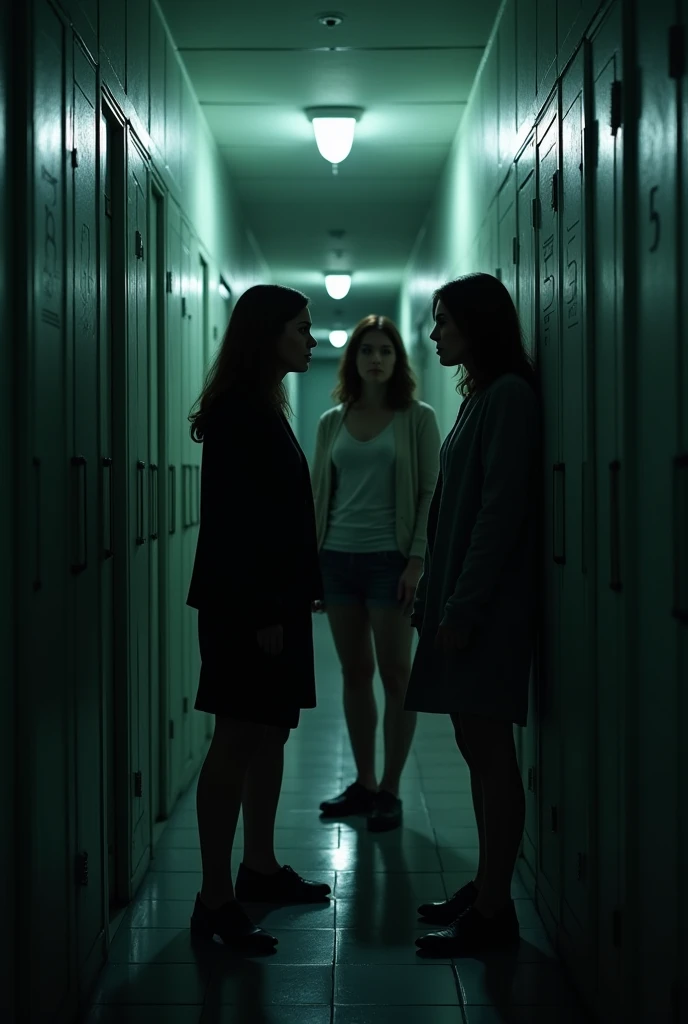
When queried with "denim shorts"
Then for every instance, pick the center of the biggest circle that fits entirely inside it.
(370, 579)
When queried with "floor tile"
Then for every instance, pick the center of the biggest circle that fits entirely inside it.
(265, 1015)
(398, 1015)
(249, 983)
(505, 981)
(396, 986)
(397, 948)
(161, 913)
(421, 886)
(144, 1015)
(139, 984)
(525, 1015)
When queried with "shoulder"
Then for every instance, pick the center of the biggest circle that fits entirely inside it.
(511, 389)
(332, 417)
(419, 412)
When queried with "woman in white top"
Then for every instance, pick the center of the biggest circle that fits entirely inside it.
(374, 473)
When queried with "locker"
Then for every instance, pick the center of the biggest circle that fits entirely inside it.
(157, 79)
(507, 253)
(576, 667)
(547, 231)
(138, 16)
(155, 452)
(526, 68)
(138, 546)
(546, 42)
(84, 516)
(506, 41)
(173, 101)
(113, 38)
(84, 15)
(573, 18)
(526, 283)
(176, 582)
(681, 539)
(607, 250)
(45, 727)
(655, 740)
(189, 641)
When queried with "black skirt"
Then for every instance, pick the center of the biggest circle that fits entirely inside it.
(239, 681)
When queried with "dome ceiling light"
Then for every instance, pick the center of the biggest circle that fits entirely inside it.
(338, 285)
(334, 131)
(338, 339)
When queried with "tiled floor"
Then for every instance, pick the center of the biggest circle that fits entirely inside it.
(353, 961)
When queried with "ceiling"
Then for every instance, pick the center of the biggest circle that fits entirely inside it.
(409, 65)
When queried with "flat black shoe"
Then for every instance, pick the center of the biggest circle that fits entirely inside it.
(356, 799)
(448, 910)
(284, 887)
(386, 814)
(232, 924)
(472, 933)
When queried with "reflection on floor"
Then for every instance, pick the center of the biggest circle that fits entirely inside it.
(353, 961)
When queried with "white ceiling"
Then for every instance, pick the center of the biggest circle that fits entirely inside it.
(256, 67)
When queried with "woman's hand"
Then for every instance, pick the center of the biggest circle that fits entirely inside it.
(408, 581)
(318, 607)
(270, 640)
(451, 638)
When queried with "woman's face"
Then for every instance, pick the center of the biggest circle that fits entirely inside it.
(295, 344)
(376, 357)
(451, 345)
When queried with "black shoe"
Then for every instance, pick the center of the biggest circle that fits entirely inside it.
(448, 910)
(386, 814)
(354, 800)
(233, 925)
(472, 933)
(284, 887)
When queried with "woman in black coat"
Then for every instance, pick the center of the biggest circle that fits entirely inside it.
(254, 582)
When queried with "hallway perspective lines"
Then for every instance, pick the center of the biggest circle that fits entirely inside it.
(353, 961)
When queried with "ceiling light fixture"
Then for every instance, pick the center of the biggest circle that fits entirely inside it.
(338, 285)
(338, 338)
(224, 290)
(334, 131)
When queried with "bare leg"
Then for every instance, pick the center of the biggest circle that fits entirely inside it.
(393, 637)
(262, 787)
(351, 633)
(477, 795)
(491, 747)
(218, 800)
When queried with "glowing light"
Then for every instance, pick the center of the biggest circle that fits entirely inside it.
(338, 338)
(334, 129)
(224, 291)
(338, 285)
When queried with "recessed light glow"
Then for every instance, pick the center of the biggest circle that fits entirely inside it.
(334, 129)
(338, 285)
(338, 338)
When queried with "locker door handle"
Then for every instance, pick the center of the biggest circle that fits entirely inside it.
(80, 506)
(140, 510)
(615, 525)
(559, 513)
(109, 505)
(154, 504)
(680, 609)
(37, 576)
(172, 498)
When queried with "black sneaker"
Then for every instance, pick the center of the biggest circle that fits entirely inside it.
(354, 800)
(472, 933)
(386, 814)
(232, 924)
(448, 910)
(284, 887)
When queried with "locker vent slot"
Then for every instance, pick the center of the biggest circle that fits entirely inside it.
(185, 706)
(554, 819)
(536, 213)
(138, 251)
(172, 499)
(75, 158)
(82, 869)
(532, 780)
(677, 51)
(155, 504)
(616, 117)
(168, 282)
(138, 784)
(555, 191)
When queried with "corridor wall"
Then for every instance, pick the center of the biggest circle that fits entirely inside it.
(122, 219)
(567, 180)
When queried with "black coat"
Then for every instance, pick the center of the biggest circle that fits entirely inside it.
(256, 565)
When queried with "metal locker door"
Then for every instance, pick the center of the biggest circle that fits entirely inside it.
(139, 703)
(189, 637)
(45, 871)
(607, 252)
(526, 287)
(156, 292)
(656, 636)
(550, 668)
(177, 584)
(576, 627)
(84, 514)
(507, 241)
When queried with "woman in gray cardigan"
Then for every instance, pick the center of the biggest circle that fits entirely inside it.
(374, 473)
(476, 601)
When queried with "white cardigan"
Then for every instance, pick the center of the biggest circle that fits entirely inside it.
(417, 439)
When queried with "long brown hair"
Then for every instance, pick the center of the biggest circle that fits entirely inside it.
(401, 386)
(245, 362)
(484, 313)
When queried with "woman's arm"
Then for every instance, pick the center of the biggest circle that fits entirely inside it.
(510, 449)
(428, 444)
